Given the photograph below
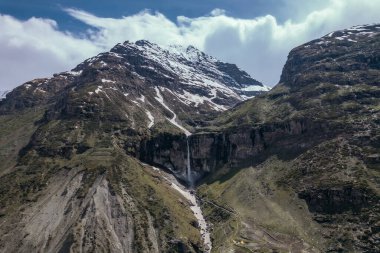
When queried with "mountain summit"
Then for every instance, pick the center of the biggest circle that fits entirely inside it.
(145, 83)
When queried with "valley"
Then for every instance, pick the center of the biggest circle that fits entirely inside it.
(166, 149)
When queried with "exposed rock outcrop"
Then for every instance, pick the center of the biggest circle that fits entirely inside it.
(238, 147)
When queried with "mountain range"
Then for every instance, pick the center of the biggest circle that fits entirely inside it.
(165, 149)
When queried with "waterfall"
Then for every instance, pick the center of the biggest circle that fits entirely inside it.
(188, 164)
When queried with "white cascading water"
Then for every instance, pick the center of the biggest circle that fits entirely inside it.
(189, 177)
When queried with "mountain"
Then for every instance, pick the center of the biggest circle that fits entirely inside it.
(88, 156)
(131, 72)
(330, 78)
(71, 178)
(297, 169)
(294, 169)
(141, 85)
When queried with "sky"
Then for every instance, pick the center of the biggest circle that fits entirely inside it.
(41, 37)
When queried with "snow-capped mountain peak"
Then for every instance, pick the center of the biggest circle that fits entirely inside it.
(146, 84)
(192, 67)
(347, 36)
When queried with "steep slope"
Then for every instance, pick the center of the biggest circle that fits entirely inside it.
(330, 78)
(70, 178)
(191, 83)
(135, 90)
(297, 169)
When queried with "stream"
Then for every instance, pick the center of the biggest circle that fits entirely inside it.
(195, 208)
(198, 215)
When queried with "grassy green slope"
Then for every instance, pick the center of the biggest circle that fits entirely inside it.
(64, 145)
(260, 209)
(15, 133)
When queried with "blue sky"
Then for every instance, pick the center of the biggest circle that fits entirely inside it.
(24, 9)
(43, 37)
(52, 9)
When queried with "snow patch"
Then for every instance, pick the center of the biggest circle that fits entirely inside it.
(160, 99)
(189, 64)
(151, 118)
(74, 73)
(39, 90)
(197, 211)
(107, 81)
(142, 98)
(190, 98)
(113, 88)
(256, 88)
(99, 89)
(116, 55)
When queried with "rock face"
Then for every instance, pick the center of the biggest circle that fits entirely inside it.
(341, 58)
(337, 200)
(236, 147)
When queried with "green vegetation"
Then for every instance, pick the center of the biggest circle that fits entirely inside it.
(154, 201)
(259, 214)
(15, 133)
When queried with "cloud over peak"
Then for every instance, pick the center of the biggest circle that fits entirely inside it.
(258, 45)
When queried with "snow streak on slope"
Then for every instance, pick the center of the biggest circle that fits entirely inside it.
(160, 99)
(190, 70)
(195, 207)
(351, 35)
(151, 118)
(197, 213)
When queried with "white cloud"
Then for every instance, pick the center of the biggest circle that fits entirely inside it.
(35, 48)
(260, 46)
(217, 12)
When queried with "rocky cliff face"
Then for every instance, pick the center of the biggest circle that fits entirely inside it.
(343, 58)
(237, 147)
